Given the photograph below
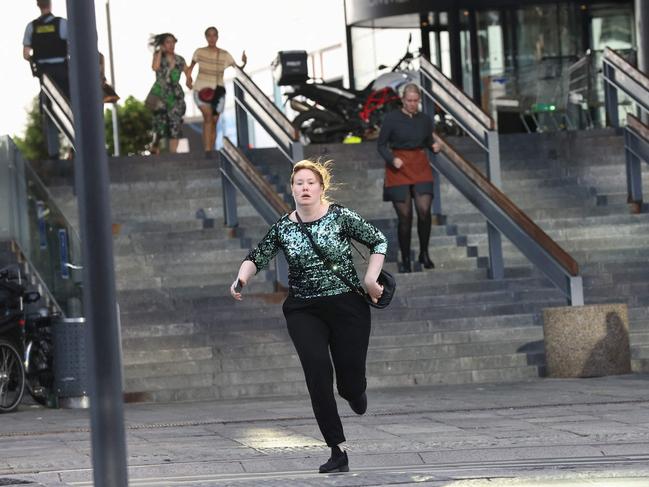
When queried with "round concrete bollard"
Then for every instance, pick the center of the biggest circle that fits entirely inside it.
(587, 341)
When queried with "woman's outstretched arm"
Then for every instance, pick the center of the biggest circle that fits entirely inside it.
(246, 271)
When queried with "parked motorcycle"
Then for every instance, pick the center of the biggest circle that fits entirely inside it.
(25, 345)
(329, 113)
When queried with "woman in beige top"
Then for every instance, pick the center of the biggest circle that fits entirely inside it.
(212, 62)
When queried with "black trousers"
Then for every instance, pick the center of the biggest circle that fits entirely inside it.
(338, 324)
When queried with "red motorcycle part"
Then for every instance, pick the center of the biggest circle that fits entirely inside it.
(375, 100)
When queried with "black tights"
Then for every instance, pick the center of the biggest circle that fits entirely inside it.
(404, 216)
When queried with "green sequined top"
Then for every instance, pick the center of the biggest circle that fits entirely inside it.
(308, 276)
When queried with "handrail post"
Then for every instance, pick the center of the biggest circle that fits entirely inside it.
(437, 196)
(297, 151)
(493, 158)
(610, 96)
(633, 172)
(576, 291)
(230, 216)
(429, 109)
(49, 128)
(496, 263)
(243, 135)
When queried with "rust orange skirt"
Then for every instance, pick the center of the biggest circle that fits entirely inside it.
(415, 169)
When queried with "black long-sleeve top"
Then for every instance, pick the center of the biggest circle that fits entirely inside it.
(400, 131)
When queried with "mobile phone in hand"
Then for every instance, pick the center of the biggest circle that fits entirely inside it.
(239, 285)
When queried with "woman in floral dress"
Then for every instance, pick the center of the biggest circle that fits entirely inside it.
(168, 66)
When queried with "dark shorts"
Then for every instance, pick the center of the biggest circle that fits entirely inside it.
(400, 193)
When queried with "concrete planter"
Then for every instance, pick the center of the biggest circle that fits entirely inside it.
(587, 341)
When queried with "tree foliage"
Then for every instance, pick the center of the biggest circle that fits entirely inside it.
(135, 126)
(32, 145)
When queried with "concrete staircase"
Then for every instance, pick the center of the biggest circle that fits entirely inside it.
(574, 187)
(184, 338)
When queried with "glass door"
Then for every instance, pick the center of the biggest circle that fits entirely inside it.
(610, 25)
(437, 36)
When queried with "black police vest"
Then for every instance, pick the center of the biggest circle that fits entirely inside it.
(46, 39)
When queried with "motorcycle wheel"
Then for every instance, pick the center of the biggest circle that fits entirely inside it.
(319, 127)
(12, 377)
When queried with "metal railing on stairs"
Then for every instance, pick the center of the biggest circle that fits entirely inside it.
(440, 90)
(39, 232)
(507, 218)
(250, 99)
(636, 150)
(619, 74)
(483, 191)
(57, 107)
(580, 96)
(239, 174)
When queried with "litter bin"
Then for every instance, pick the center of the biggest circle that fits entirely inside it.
(70, 374)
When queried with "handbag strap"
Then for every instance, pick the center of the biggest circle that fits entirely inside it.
(326, 261)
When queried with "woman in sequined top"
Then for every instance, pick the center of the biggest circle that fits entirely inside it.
(325, 318)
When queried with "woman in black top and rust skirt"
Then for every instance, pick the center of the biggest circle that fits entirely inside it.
(404, 136)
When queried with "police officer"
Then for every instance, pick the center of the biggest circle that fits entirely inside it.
(45, 46)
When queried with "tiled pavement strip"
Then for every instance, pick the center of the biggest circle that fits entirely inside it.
(542, 433)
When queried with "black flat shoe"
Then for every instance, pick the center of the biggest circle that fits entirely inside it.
(359, 405)
(337, 463)
(405, 266)
(424, 260)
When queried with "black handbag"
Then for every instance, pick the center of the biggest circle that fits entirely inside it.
(385, 278)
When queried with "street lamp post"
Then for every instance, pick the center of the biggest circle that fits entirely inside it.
(116, 148)
(93, 193)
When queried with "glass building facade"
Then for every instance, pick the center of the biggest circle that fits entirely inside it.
(511, 57)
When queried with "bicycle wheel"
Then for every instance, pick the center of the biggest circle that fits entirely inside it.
(12, 377)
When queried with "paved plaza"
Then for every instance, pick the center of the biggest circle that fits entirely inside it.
(542, 433)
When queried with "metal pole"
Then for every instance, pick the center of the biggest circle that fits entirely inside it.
(243, 134)
(91, 172)
(642, 30)
(113, 82)
(610, 97)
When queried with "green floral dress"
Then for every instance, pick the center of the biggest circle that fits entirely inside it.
(167, 123)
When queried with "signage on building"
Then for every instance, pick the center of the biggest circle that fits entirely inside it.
(359, 10)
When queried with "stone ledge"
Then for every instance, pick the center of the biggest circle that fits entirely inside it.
(587, 341)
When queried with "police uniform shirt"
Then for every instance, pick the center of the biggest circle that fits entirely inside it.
(63, 33)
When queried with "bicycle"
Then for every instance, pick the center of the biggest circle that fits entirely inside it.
(25, 345)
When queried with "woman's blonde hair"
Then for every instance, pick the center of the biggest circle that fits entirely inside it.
(322, 169)
(410, 88)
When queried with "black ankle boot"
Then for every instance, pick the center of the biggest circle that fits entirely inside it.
(405, 265)
(338, 462)
(359, 404)
(424, 260)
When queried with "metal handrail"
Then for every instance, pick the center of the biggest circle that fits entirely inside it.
(240, 174)
(458, 104)
(580, 91)
(636, 150)
(58, 109)
(480, 128)
(619, 74)
(507, 218)
(25, 186)
(269, 107)
(251, 100)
